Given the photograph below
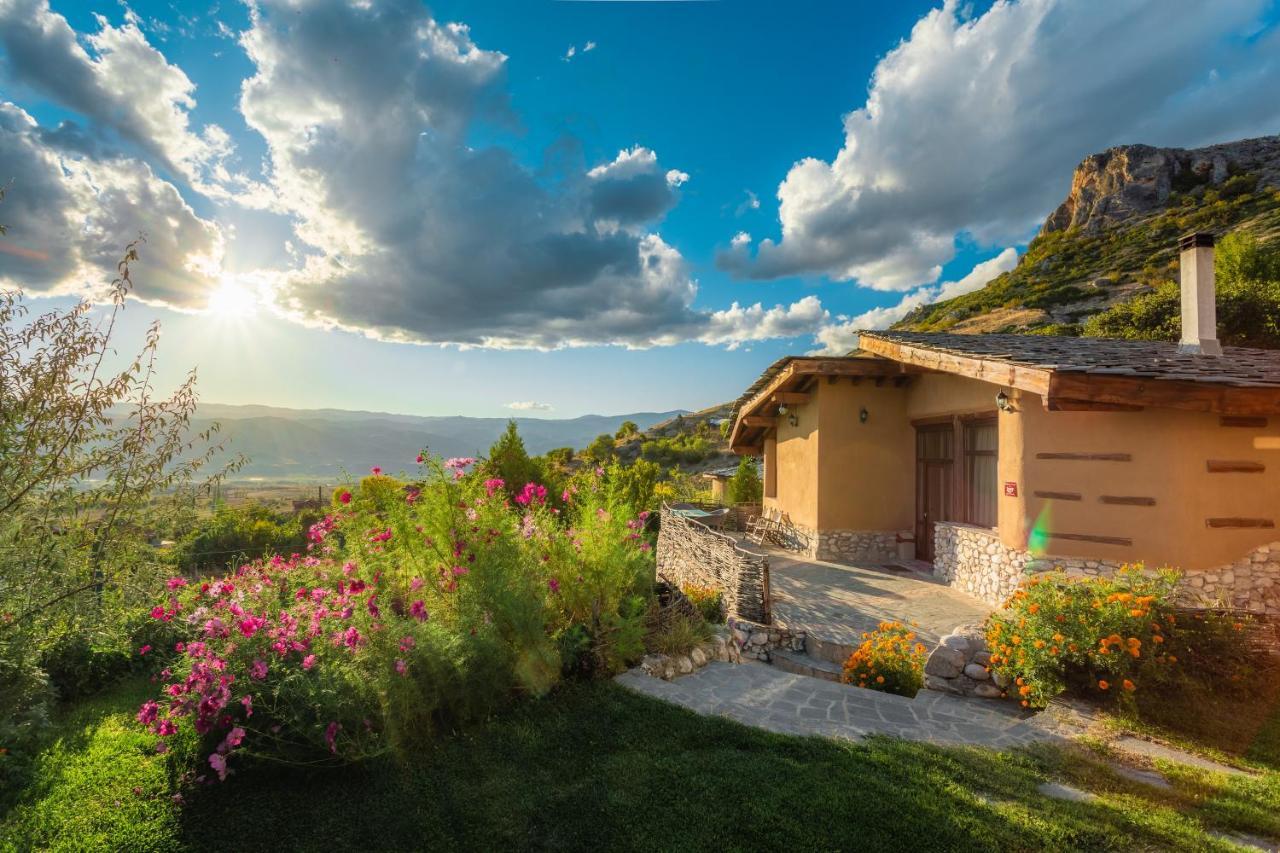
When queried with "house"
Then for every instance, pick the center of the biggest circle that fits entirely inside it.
(994, 454)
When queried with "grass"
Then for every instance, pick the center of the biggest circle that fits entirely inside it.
(594, 766)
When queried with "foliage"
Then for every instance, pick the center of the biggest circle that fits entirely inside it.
(1109, 637)
(628, 429)
(559, 457)
(708, 600)
(237, 533)
(678, 635)
(408, 616)
(744, 487)
(683, 447)
(1247, 278)
(632, 485)
(510, 462)
(890, 659)
(92, 460)
(601, 450)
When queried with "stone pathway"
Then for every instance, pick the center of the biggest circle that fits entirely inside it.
(764, 697)
(837, 602)
(1149, 749)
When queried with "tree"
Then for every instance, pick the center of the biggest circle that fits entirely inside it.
(627, 430)
(744, 486)
(560, 457)
(600, 451)
(509, 460)
(631, 487)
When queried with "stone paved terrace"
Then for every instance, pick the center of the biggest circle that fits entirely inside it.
(836, 602)
(762, 696)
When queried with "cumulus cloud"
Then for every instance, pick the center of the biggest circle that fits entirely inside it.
(412, 235)
(70, 210)
(120, 82)
(971, 125)
(530, 406)
(840, 337)
(736, 325)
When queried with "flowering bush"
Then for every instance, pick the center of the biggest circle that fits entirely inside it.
(417, 607)
(1105, 636)
(889, 659)
(708, 600)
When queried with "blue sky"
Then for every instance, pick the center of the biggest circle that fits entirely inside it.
(384, 206)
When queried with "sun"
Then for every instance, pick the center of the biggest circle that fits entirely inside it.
(233, 300)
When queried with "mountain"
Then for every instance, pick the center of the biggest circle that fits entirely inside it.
(323, 443)
(1113, 238)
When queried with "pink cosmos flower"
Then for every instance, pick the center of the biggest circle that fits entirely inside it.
(247, 702)
(331, 736)
(345, 497)
(165, 728)
(532, 493)
(175, 583)
(418, 610)
(415, 584)
(421, 458)
(402, 667)
(258, 669)
(161, 747)
(553, 585)
(144, 650)
(375, 470)
(233, 739)
(309, 661)
(493, 484)
(148, 712)
(219, 763)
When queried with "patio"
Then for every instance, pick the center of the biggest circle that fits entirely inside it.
(835, 603)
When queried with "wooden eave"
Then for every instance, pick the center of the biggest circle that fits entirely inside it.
(1084, 391)
(754, 418)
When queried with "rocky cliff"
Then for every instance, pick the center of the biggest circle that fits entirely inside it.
(1113, 239)
(1134, 180)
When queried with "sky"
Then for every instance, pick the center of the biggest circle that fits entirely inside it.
(561, 207)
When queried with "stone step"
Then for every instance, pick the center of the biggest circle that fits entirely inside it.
(828, 650)
(801, 663)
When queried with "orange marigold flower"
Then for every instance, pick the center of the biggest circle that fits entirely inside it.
(1016, 640)
(1033, 608)
(1039, 644)
(879, 679)
(1157, 639)
(1128, 685)
(1103, 685)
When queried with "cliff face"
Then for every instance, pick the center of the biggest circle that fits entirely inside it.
(1132, 180)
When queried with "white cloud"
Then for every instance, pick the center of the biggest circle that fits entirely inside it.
(676, 178)
(530, 406)
(742, 238)
(736, 325)
(570, 53)
(588, 47)
(749, 203)
(972, 125)
(125, 84)
(840, 337)
(69, 212)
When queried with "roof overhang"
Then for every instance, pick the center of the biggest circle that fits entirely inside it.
(791, 383)
(1065, 390)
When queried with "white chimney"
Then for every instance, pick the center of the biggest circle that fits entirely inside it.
(1199, 309)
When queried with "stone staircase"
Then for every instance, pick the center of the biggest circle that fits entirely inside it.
(820, 659)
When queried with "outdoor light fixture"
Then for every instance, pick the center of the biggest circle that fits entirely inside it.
(863, 414)
(1002, 402)
(793, 420)
(782, 410)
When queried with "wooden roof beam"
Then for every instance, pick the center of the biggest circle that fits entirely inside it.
(1033, 379)
(1067, 389)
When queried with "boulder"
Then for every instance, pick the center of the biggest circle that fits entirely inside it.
(945, 662)
(977, 672)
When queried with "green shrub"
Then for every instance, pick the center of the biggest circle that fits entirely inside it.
(1108, 637)
(679, 635)
(708, 600)
(244, 532)
(744, 487)
(76, 668)
(890, 659)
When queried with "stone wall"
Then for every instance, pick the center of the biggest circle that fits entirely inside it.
(973, 559)
(959, 665)
(689, 552)
(756, 641)
(846, 546)
(721, 647)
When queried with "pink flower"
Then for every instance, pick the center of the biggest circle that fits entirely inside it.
(148, 712)
(158, 612)
(421, 458)
(532, 493)
(415, 584)
(402, 667)
(345, 496)
(375, 470)
(233, 739)
(175, 583)
(331, 736)
(247, 702)
(309, 661)
(249, 626)
(219, 763)
(161, 747)
(165, 728)
(553, 585)
(418, 610)
(144, 650)
(258, 669)
(459, 571)
(351, 637)
(407, 643)
(493, 484)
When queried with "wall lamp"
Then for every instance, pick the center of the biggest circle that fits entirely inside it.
(782, 410)
(793, 420)
(1003, 403)
(863, 414)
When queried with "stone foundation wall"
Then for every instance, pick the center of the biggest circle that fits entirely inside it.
(974, 560)
(756, 641)
(959, 665)
(691, 553)
(721, 647)
(857, 546)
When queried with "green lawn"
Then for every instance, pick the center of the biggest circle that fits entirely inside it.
(596, 767)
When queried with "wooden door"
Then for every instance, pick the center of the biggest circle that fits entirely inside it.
(935, 456)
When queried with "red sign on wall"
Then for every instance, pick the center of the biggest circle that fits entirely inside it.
(1011, 489)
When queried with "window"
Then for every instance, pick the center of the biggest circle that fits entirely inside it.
(981, 440)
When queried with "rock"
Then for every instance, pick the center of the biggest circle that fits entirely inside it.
(654, 664)
(1000, 679)
(698, 657)
(683, 665)
(977, 672)
(956, 641)
(987, 690)
(982, 658)
(759, 638)
(933, 682)
(945, 661)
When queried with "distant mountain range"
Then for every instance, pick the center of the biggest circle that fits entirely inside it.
(308, 444)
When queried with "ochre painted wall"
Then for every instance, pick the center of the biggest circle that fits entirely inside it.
(937, 394)
(796, 470)
(867, 470)
(1169, 453)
